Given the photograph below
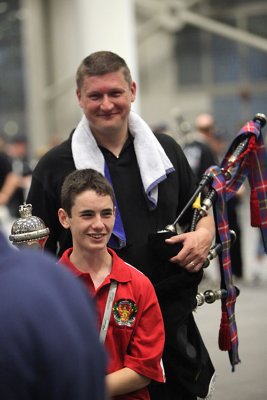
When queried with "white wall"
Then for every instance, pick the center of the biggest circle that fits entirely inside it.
(58, 34)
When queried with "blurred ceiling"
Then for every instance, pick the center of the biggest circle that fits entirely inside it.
(172, 15)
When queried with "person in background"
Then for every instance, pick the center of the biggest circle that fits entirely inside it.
(152, 182)
(49, 348)
(9, 182)
(205, 150)
(200, 149)
(134, 328)
(17, 150)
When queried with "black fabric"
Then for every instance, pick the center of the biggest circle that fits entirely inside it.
(5, 167)
(139, 221)
(170, 391)
(49, 345)
(186, 361)
(21, 167)
(44, 193)
(200, 157)
(236, 247)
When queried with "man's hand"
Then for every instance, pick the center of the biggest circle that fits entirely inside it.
(196, 246)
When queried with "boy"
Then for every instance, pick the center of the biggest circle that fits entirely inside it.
(129, 313)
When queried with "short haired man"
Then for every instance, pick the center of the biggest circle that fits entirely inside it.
(152, 182)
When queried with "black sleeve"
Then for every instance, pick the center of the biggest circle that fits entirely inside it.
(5, 167)
(44, 193)
(45, 206)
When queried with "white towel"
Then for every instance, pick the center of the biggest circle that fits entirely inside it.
(154, 165)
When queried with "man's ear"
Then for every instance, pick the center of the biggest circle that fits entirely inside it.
(63, 218)
(78, 94)
(133, 91)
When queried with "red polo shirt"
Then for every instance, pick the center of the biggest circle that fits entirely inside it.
(135, 337)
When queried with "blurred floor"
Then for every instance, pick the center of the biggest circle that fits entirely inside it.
(249, 381)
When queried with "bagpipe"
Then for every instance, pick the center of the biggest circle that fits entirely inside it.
(245, 159)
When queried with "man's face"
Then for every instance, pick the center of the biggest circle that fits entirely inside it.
(91, 222)
(106, 102)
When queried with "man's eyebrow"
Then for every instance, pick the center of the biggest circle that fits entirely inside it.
(114, 89)
(93, 91)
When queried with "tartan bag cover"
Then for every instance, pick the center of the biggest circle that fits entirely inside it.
(251, 163)
(254, 166)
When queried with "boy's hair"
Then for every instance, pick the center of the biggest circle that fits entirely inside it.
(81, 180)
(101, 63)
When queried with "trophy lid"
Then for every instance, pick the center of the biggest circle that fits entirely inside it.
(28, 227)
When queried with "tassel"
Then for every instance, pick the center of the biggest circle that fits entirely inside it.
(224, 332)
(255, 218)
(197, 202)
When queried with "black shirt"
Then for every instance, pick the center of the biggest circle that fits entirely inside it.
(138, 219)
(175, 287)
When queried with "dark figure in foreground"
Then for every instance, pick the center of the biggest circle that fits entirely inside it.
(152, 182)
(49, 348)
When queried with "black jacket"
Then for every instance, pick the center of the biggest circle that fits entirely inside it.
(176, 289)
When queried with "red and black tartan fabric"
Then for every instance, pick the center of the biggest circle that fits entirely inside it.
(251, 163)
(228, 338)
(254, 166)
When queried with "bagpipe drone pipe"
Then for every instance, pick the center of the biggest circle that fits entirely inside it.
(246, 158)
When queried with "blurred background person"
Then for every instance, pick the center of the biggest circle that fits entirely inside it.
(206, 147)
(9, 182)
(199, 149)
(17, 150)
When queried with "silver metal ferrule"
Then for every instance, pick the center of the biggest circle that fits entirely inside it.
(28, 230)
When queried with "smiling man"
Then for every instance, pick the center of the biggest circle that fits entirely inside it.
(152, 182)
(106, 102)
(129, 316)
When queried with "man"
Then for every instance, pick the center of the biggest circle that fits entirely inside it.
(130, 319)
(17, 150)
(152, 182)
(9, 182)
(200, 149)
(49, 348)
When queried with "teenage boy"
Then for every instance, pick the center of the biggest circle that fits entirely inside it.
(130, 319)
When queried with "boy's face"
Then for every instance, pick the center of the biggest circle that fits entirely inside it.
(91, 222)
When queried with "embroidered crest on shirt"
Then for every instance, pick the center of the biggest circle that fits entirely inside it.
(124, 311)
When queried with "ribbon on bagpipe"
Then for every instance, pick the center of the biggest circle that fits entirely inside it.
(227, 179)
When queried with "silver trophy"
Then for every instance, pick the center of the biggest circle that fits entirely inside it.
(28, 230)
